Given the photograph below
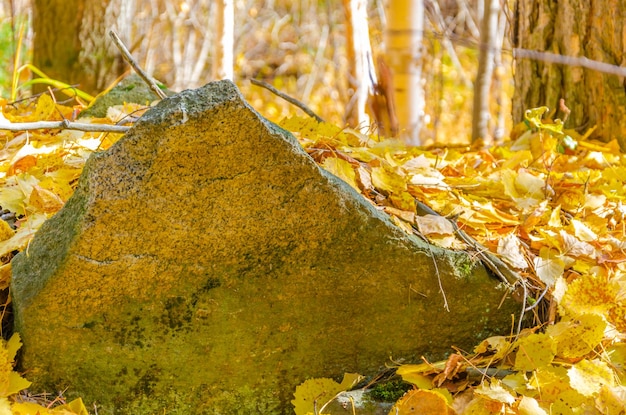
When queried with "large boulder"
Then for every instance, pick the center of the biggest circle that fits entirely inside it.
(206, 264)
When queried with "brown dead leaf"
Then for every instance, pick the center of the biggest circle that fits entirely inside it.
(434, 224)
(453, 365)
(44, 200)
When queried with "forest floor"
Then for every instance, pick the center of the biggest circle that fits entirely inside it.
(546, 201)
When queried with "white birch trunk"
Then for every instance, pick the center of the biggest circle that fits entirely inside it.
(362, 76)
(404, 35)
(223, 59)
(488, 39)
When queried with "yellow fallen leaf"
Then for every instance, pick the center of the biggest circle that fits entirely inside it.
(315, 393)
(342, 169)
(583, 232)
(5, 407)
(494, 391)
(76, 407)
(574, 247)
(6, 231)
(576, 337)
(421, 402)
(588, 376)
(23, 235)
(28, 408)
(526, 189)
(611, 400)
(44, 109)
(552, 381)
(548, 266)
(555, 218)
(434, 224)
(589, 294)
(530, 406)
(413, 374)
(534, 351)
(44, 200)
(10, 382)
(500, 346)
(510, 249)
(22, 165)
(5, 276)
(387, 181)
(405, 215)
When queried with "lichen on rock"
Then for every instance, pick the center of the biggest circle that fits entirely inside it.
(206, 262)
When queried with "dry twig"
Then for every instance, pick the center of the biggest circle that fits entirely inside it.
(287, 98)
(129, 58)
(569, 60)
(62, 125)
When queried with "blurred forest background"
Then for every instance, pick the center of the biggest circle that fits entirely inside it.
(463, 70)
(298, 46)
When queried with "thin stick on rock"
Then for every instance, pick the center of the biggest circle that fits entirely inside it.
(287, 98)
(129, 58)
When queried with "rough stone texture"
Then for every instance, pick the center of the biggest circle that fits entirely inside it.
(206, 264)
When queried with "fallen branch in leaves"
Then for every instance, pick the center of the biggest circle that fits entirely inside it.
(498, 267)
(62, 125)
(491, 261)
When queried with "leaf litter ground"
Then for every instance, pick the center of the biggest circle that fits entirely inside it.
(549, 204)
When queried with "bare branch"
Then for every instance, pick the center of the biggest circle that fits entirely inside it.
(129, 58)
(62, 125)
(287, 98)
(570, 60)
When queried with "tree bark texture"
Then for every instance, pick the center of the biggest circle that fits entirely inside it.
(595, 29)
(72, 44)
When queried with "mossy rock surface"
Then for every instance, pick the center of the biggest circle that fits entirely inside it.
(207, 265)
(131, 89)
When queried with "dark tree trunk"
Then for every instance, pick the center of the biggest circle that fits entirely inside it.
(72, 43)
(578, 28)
